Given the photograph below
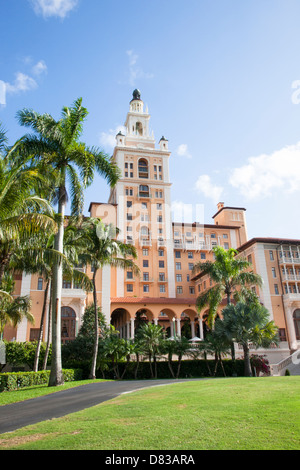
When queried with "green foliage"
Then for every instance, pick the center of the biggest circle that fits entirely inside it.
(20, 354)
(15, 380)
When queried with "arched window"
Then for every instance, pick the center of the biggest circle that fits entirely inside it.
(296, 317)
(143, 169)
(144, 191)
(139, 128)
(68, 324)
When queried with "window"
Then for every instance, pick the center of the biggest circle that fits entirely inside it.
(179, 290)
(162, 288)
(191, 266)
(144, 205)
(129, 203)
(161, 253)
(146, 288)
(203, 256)
(161, 264)
(129, 216)
(178, 266)
(187, 278)
(225, 235)
(40, 283)
(178, 277)
(192, 290)
(67, 284)
(161, 277)
(282, 334)
(271, 255)
(68, 323)
(145, 276)
(145, 252)
(159, 218)
(144, 191)
(213, 235)
(226, 246)
(129, 287)
(276, 289)
(273, 272)
(145, 263)
(190, 255)
(129, 275)
(177, 254)
(143, 168)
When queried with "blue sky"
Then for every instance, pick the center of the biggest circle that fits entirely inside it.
(221, 79)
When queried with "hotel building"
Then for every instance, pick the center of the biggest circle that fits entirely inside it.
(165, 292)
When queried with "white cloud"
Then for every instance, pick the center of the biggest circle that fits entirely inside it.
(183, 151)
(22, 82)
(135, 72)
(205, 186)
(48, 8)
(108, 139)
(187, 213)
(265, 174)
(39, 68)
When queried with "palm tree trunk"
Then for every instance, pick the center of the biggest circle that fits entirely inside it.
(49, 330)
(40, 338)
(247, 364)
(56, 375)
(96, 341)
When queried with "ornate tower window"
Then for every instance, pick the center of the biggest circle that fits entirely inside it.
(143, 169)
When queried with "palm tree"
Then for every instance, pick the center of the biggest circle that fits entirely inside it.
(151, 341)
(232, 278)
(103, 249)
(23, 213)
(247, 323)
(56, 145)
(39, 256)
(12, 309)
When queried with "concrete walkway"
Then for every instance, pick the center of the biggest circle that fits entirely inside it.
(58, 404)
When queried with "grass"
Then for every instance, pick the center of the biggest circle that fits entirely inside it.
(232, 414)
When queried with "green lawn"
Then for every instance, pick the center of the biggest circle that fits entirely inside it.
(240, 413)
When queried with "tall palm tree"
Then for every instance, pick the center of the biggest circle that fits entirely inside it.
(232, 278)
(57, 146)
(23, 213)
(103, 249)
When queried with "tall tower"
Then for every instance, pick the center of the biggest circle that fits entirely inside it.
(142, 197)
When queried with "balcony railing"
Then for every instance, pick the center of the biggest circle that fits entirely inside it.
(289, 260)
(290, 277)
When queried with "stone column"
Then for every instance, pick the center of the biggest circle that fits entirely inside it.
(291, 328)
(178, 328)
(132, 328)
(201, 328)
(193, 329)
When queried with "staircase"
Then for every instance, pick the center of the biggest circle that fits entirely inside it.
(292, 363)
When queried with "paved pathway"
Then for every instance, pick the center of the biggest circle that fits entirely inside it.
(55, 405)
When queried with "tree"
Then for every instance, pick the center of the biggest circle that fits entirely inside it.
(248, 323)
(12, 309)
(56, 146)
(23, 213)
(231, 277)
(214, 344)
(103, 249)
(151, 337)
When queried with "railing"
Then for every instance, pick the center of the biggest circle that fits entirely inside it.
(290, 277)
(289, 260)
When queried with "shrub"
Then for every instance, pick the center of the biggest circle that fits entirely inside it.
(15, 380)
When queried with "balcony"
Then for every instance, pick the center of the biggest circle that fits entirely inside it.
(191, 246)
(289, 260)
(291, 277)
(145, 242)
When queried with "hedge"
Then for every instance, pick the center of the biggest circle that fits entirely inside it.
(15, 380)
